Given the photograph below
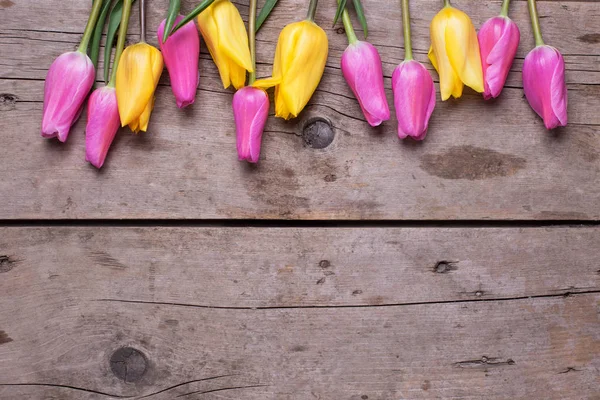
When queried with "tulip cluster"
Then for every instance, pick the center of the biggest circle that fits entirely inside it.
(482, 61)
(459, 54)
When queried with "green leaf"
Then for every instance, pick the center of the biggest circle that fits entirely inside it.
(199, 8)
(340, 10)
(265, 11)
(360, 12)
(174, 6)
(97, 36)
(113, 25)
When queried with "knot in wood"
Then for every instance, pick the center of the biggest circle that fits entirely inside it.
(7, 101)
(318, 133)
(128, 364)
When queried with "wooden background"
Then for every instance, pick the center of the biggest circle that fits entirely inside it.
(463, 267)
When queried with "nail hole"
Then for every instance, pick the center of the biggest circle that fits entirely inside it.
(444, 267)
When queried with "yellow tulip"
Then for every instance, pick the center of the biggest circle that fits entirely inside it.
(454, 52)
(299, 64)
(138, 73)
(226, 37)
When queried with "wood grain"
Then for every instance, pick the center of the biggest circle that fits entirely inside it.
(241, 313)
(480, 161)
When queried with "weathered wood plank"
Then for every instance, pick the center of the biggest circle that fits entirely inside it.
(481, 161)
(254, 323)
(292, 267)
(184, 170)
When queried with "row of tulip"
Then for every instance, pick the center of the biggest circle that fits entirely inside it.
(460, 55)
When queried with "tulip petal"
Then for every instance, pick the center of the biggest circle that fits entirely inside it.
(462, 48)
(208, 29)
(225, 35)
(138, 74)
(266, 83)
(181, 53)
(498, 41)
(68, 83)
(544, 85)
(362, 69)
(233, 38)
(102, 125)
(300, 61)
(250, 110)
(558, 89)
(450, 83)
(414, 99)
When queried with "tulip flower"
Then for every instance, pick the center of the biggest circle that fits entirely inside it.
(103, 120)
(414, 98)
(498, 41)
(250, 111)
(454, 52)
(544, 79)
(181, 53)
(361, 66)
(68, 83)
(414, 92)
(299, 64)
(138, 74)
(544, 85)
(102, 125)
(225, 35)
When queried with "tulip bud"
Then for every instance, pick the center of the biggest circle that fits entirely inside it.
(454, 52)
(498, 41)
(138, 74)
(361, 66)
(250, 111)
(299, 63)
(102, 124)
(544, 85)
(181, 53)
(414, 98)
(68, 83)
(225, 35)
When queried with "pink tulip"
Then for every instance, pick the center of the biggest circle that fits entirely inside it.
(181, 52)
(414, 98)
(361, 66)
(498, 41)
(68, 83)
(250, 111)
(102, 125)
(544, 85)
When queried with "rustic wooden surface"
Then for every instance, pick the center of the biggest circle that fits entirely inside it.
(291, 313)
(480, 161)
(185, 301)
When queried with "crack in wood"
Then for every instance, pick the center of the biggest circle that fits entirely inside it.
(484, 362)
(221, 390)
(76, 388)
(408, 304)
(186, 383)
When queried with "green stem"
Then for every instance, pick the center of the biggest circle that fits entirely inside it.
(89, 28)
(408, 53)
(348, 27)
(535, 23)
(143, 21)
(447, 3)
(252, 39)
(120, 41)
(312, 9)
(505, 5)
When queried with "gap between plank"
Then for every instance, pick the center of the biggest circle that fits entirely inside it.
(279, 223)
